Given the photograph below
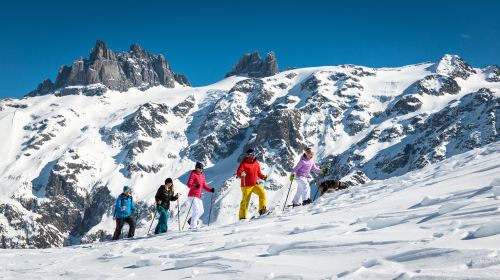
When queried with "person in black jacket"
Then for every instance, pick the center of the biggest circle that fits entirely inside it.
(163, 196)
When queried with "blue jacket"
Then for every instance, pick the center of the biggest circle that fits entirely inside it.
(123, 212)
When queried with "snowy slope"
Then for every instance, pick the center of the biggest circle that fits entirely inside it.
(66, 158)
(440, 222)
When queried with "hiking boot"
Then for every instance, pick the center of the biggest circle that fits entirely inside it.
(296, 205)
(262, 211)
(307, 201)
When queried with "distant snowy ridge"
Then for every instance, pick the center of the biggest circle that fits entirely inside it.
(66, 157)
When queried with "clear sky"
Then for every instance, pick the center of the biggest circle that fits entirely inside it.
(204, 39)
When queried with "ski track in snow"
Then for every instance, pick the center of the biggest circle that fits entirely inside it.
(441, 222)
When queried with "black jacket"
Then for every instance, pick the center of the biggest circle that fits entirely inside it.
(163, 197)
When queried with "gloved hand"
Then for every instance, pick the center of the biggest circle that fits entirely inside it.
(212, 190)
(324, 171)
(265, 178)
(243, 174)
(292, 177)
(197, 186)
(136, 213)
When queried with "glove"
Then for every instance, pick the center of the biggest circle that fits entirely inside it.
(212, 190)
(243, 174)
(265, 178)
(324, 171)
(292, 177)
(197, 186)
(136, 213)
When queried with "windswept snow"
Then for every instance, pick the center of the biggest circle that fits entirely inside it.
(440, 222)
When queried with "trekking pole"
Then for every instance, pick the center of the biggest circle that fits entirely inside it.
(210, 212)
(156, 210)
(178, 215)
(183, 225)
(289, 188)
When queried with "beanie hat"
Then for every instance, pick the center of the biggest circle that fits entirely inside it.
(307, 149)
(126, 188)
(250, 152)
(199, 165)
(168, 181)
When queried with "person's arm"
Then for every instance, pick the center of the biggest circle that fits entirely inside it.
(190, 183)
(173, 197)
(240, 170)
(118, 206)
(297, 167)
(205, 186)
(315, 168)
(259, 172)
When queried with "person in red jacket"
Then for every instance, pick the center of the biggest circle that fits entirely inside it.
(249, 172)
(195, 184)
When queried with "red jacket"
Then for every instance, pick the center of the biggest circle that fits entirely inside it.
(195, 179)
(252, 171)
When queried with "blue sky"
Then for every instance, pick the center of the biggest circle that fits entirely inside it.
(204, 39)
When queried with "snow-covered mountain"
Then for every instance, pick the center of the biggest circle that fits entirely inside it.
(65, 157)
(438, 222)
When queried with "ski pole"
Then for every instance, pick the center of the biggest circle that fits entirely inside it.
(183, 225)
(156, 210)
(289, 188)
(178, 215)
(211, 203)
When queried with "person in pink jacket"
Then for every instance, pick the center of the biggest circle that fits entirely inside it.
(301, 174)
(195, 184)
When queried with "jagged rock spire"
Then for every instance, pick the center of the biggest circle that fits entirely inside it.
(112, 71)
(252, 65)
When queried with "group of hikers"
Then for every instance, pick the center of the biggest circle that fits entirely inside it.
(248, 171)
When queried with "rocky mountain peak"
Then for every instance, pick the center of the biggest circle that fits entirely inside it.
(101, 51)
(108, 70)
(453, 66)
(252, 65)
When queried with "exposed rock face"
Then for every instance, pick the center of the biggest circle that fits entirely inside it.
(437, 85)
(453, 66)
(492, 73)
(106, 69)
(253, 66)
(278, 131)
(136, 134)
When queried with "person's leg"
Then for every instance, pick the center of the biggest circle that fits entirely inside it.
(307, 192)
(245, 200)
(197, 208)
(162, 220)
(201, 210)
(261, 193)
(131, 226)
(118, 229)
(299, 195)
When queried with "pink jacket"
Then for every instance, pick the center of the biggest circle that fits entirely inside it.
(304, 167)
(195, 179)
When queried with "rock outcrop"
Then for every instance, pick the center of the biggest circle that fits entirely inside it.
(109, 70)
(251, 65)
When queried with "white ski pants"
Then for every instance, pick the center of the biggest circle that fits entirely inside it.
(303, 190)
(197, 211)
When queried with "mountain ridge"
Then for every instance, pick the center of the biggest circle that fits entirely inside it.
(72, 153)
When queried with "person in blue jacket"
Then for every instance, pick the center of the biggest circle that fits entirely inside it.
(125, 212)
